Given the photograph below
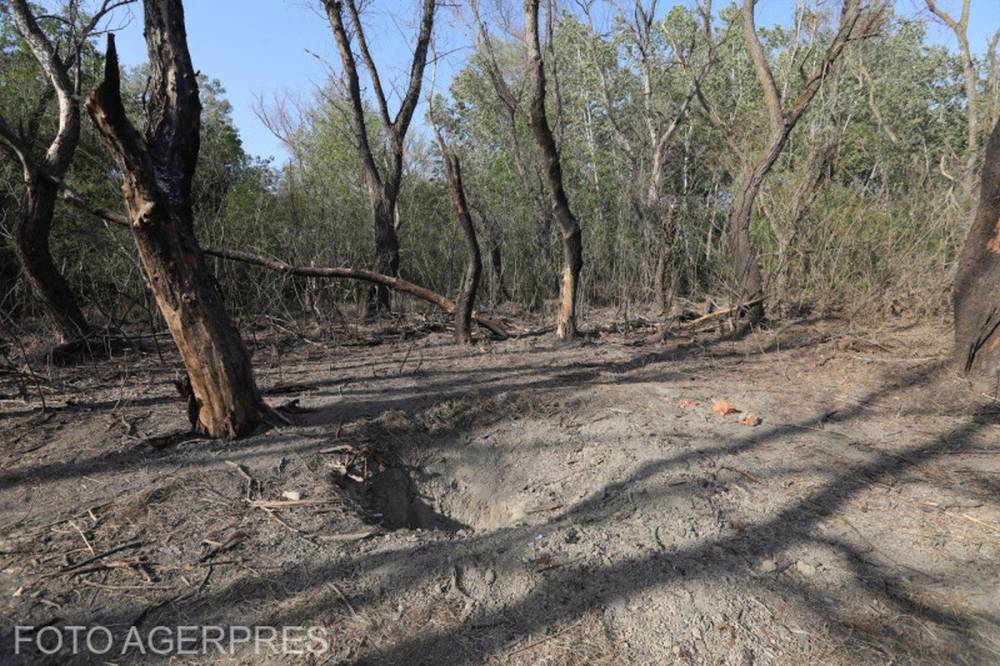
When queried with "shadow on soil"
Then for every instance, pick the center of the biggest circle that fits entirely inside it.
(568, 592)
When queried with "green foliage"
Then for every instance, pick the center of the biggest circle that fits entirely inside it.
(883, 223)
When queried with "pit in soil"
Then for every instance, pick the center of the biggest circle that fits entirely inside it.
(537, 503)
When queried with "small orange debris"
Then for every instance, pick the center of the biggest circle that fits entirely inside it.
(687, 404)
(723, 408)
(750, 419)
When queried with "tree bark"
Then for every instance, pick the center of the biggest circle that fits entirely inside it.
(569, 230)
(31, 236)
(157, 170)
(977, 280)
(474, 268)
(386, 248)
(664, 290)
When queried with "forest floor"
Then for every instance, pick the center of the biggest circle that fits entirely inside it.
(525, 501)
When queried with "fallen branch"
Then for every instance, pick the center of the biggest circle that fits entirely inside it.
(73, 568)
(394, 283)
(723, 312)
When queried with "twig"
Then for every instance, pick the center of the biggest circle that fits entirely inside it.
(291, 504)
(344, 599)
(543, 640)
(246, 475)
(83, 536)
(992, 528)
(297, 532)
(112, 551)
(745, 475)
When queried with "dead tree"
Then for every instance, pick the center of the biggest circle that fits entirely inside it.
(549, 153)
(34, 226)
(976, 297)
(157, 168)
(383, 185)
(855, 23)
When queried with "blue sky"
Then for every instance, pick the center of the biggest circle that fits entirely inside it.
(264, 48)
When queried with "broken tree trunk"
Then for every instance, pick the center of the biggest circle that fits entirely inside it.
(977, 280)
(569, 230)
(157, 170)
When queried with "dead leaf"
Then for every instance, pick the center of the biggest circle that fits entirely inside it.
(723, 408)
(750, 419)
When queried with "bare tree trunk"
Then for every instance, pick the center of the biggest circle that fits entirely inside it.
(854, 24)
(474, 268)
(568, 228)
(157, 170)
(495, 241)
(664, 290)
(976, 296)
(383, 186)
(31, 236)
(749, 281)
(386, 249)
(496, 263)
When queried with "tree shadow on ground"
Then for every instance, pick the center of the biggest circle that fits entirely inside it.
(569, 591)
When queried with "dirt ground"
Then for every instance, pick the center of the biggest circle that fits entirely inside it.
(523, 502)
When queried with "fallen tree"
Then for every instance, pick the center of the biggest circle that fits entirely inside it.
(340, 272)
(343, 272)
